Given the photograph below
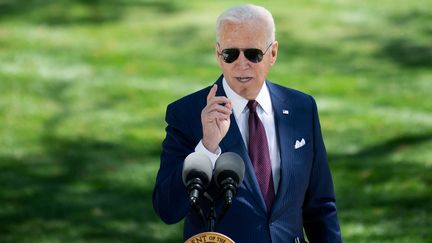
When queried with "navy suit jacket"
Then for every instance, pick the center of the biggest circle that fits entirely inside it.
(305, 197)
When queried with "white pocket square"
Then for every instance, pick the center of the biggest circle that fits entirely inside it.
(299, 144)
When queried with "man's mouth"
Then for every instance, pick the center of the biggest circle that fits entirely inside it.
(244, 79)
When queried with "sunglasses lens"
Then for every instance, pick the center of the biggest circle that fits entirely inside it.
(230, 55)
(254, 55)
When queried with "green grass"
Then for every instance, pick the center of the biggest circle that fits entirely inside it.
(84, 86)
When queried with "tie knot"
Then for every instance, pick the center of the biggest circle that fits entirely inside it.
(252, 104)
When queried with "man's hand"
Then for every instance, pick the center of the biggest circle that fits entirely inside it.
(215, 119)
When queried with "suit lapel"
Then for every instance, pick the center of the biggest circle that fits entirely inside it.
(283, 114)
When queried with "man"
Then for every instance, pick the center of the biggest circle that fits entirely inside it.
(287, 185)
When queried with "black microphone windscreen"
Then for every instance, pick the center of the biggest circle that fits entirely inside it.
(199, 165)
(229, 164)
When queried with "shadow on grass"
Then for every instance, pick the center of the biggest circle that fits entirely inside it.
(408, 53)
(80, 189)
(387, 147)
(415, 18)
(391, 200)
(68, 12)
(70, 194)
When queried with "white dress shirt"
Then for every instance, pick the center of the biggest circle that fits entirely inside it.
(241, 114)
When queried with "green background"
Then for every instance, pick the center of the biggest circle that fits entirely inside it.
(84, 86)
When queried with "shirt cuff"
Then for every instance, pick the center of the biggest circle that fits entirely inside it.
(202, 149)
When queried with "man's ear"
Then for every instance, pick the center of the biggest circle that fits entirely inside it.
(217, 55)
(274, 52)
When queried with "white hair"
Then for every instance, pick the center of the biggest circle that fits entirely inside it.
(247, 13)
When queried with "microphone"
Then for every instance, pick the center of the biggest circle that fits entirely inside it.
(197, 174)
(228, 175)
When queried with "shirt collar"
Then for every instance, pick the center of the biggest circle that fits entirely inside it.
(239, 103)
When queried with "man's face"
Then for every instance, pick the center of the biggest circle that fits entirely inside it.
(243, 76)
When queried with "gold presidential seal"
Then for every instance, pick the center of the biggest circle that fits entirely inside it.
(209, 237)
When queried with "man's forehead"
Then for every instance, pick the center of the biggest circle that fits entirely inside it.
(231, 26)
(243, 32)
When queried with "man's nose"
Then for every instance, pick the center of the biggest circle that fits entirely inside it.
(242, 62)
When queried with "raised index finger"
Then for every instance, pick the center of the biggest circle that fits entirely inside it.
(212, 92)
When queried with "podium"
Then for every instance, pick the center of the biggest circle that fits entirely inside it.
(209, 237)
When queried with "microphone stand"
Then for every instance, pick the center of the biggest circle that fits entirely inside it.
(230, 188)
(198, 211)
(194, 187)
(212, 217)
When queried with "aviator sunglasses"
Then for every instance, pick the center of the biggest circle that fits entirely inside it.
(254, 55)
